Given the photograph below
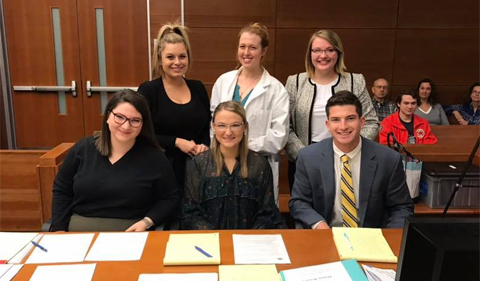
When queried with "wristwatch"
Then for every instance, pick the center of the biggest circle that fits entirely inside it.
(147, 222)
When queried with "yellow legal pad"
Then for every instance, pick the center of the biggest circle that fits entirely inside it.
(362, 244)
(248, 272)
(192, 249)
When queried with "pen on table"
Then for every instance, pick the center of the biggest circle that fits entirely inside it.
(203, 252)
(348, 241)
(39, 246)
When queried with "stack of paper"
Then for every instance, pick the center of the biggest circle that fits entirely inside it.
(248, 272)
(362, 244)
(12, 243)
(125, 246)
(378, 274)
(8, 271)
(260, 249)
(61, 248)
(74, 272)
(348, 270)
(179, 277)
(193, 249)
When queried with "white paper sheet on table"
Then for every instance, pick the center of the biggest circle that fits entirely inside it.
(71, 272)
(62, 248)
(12, 243)
(260, 249)
(179, 277)
(118, 247)
(8, 271)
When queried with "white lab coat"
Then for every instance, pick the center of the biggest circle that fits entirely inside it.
(267, 111)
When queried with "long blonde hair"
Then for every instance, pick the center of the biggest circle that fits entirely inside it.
(169, 33)
(336, 42)
(236, 108)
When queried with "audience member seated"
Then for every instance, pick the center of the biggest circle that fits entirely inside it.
(405, 125)
(468, 113)
(383, 106)
(348, 180)
(229, 186)
(119, 179)
(428, 107)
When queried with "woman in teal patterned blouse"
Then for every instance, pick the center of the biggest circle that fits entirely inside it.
(229, 186)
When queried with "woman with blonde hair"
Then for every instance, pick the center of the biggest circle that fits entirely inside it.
(179, 106)
(229, 186)
(264, 98)
(309, 92)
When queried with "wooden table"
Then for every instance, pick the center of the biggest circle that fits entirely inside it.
(305, 248)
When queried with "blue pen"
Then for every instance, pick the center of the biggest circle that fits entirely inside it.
(348, 241)
(203, 252)
(39, 246)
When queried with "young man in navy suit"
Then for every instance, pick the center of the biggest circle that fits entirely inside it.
(347, 180)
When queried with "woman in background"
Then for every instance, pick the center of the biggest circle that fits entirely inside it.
(428, 108)
(229, 186)
(309, 92)
(469, 112)
(118, 179)
(179, 106)
(264, 98)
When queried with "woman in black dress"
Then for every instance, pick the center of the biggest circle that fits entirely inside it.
(180, 107)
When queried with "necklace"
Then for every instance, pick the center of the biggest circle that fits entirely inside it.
(249, 87)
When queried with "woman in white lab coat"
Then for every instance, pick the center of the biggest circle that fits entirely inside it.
(264, 98)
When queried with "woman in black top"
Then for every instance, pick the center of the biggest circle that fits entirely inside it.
(229, 186)
(119, 179)
(180, 107)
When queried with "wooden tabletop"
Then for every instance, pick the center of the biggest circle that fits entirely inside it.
(305, 248)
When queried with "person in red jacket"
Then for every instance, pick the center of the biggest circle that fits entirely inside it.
(406, 126)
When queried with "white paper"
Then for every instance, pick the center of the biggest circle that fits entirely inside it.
(179, 277)
(126, 246)
(331, 271)
(378, 274)
(20, 256)
(71, 272)
(62, 248)
(13, 242)
(260, 249)
(8, 271)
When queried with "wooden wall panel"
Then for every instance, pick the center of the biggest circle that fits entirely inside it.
(161, 12)
(229, 13)
(367, 51)
(449, 57)
(439, 14)
(336, 14)
(214, 52)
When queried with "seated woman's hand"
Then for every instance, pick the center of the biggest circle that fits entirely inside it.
(187, 147)
(138, 226)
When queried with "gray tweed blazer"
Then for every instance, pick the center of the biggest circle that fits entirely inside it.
(302, 91)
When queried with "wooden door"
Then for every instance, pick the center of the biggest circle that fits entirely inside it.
(125, 43)
(101, 41)
(39, 121)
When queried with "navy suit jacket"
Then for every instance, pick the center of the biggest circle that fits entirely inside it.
(384, 199)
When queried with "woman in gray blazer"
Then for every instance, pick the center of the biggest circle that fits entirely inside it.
(309, 91)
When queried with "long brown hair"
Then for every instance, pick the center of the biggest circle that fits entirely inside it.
(236, 108)
(103, 141)
(169, 33)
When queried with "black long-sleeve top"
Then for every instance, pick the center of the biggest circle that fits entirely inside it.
(190, 121)
(140, 184)
(229, 201)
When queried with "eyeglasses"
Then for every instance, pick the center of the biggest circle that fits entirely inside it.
(327, 52)
(475, 93)
(236, 127)
(120, 119)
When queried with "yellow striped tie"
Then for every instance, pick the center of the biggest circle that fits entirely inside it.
(349, 207)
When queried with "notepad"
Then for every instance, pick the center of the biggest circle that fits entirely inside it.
(12, 243)
(348, 270)
(62, 248)
(193, 249)
(179, 277)
(362, 244)
(72, 272)
(123, 246)
(248, 272)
